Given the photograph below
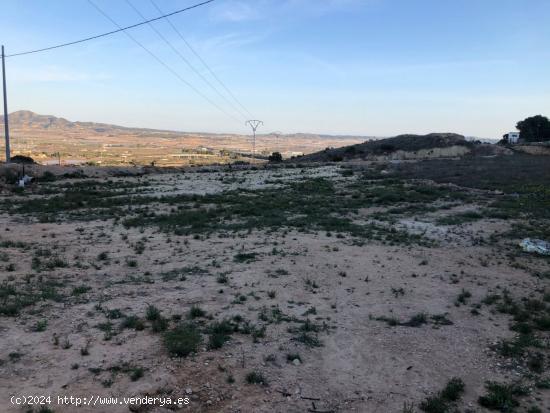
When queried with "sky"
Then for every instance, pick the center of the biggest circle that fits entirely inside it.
(350, 67)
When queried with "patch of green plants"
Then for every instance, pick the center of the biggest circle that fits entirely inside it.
(133, 322)
(39, 263)
(416, 320)
(463, 297)
(529, 316)
(40, 326)
(445, 400)
(14, 298)
(81, 289)
(222, 278)
(460, 218)
(182, 340)
(196, 312)
(308, 339)
(158, 322)
(502, 397)
(256, 377)
(311, 204)
(244, 257)
(219, 332)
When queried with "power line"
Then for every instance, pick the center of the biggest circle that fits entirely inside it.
(159, 60)
(120, 29)
(206, 65)
(189, 64)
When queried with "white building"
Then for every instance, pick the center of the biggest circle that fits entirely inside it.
(512, 137)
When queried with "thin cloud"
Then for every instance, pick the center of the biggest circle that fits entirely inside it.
(48, 74)
(236, 11)
(226, 42)
(320, 7)
(241, 11)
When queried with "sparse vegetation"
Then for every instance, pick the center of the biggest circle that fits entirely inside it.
(273, 271)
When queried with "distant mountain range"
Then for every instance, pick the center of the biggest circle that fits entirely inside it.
(26, 120)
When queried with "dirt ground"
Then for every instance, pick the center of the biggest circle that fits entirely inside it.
(325, 311)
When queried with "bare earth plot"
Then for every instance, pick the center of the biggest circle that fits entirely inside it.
(287, 290)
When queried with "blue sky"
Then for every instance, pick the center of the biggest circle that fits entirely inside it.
(368, 67)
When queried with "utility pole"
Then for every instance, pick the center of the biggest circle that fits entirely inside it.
(254, 124)
(6, 120)
(277, 135)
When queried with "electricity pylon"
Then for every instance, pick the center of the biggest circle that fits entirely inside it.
(277, 135)
(254, 124)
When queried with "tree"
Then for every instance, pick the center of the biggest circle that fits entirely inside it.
(22, 159)
(534, 129)
(275, 157)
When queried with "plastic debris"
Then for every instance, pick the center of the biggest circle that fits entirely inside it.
(26, 179)
(537, 246)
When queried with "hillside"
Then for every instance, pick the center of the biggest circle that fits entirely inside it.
(27, 120)
(434, 145)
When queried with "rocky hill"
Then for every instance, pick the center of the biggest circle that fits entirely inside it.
(434, 145)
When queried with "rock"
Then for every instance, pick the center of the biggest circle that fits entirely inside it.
(188, 390)
(296, 362)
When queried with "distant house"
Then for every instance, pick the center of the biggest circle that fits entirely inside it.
(511, 137)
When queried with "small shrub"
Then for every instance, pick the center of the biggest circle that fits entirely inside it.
(536, 362)
(443, 401)
(463, 297)
(47, 176)
(133, 322)
(152, 313)
(81, 289)
(136, 373)
(182, 340)
(222, 278)
(453, 390)
(416, 320)
(196, 312)
(219, 333)
(159, 325)
(40, 326)
(255, 377)
(308, 339)
(103, 256)
(243, 257)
